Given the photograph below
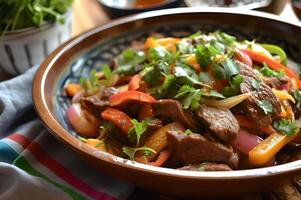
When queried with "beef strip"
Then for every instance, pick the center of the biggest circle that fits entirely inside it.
(173, 109)
(253, 111)
(275, 82)
(195, 149)
(207, 166)
(220, 122)
(98, 102)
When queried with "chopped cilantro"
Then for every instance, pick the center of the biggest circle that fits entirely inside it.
(205, 54)
(188, 132)
(265, 106)
(234, 87)
(286, 126)
(167, 86)
(266, 71)
(126, 63)
(91, 84)
(297, 96)
(190, 96)
(130, 152)
(187, 76)
(138, 129)
(107, 73)
(255, 84)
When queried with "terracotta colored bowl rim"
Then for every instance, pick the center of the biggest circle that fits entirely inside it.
(55, 128)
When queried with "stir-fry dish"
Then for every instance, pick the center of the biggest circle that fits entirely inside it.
(206, 102)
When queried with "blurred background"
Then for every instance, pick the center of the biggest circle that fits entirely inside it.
(88, 14)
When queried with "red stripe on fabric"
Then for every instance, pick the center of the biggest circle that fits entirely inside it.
(59, 169)
(23, 141)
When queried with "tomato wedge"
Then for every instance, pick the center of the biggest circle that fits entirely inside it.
(261, 58)
(118, 118)
(123, 97)
(134, 83)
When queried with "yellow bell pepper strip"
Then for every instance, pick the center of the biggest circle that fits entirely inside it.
(261, 58)
(265, 150)
(118, 118)
(283, 95)
(191, 60)
(100, 145)
(123, 97)
(158, 141)
(72, 88)
(169, 43)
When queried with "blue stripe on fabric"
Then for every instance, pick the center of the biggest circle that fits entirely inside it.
(7, 154)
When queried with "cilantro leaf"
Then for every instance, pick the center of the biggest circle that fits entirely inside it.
(167, 86)
(127, 62)
(130, 152)
(297, 96)
(213, 93)
(188, 132)
(224, 38)
(90, 84)
(234, 87)
(255, 84)
(190, 97)
(205, 54)
(265, 106)
(286, 126)
(138, 129)
(266, 71)
(187, 76)
(107, 73)
(157, 53)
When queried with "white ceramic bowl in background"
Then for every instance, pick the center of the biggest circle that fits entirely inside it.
(24, 48)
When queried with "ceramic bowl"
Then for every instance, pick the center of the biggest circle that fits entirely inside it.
(297, 7)
(119, 8)
(90, 50)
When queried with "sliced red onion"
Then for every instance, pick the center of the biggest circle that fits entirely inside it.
(82, 122)
(245, 141)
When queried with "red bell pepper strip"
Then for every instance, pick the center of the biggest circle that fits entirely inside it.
(146, 111)
(123, 97)
(244, 122)
(261, 58)
(163, 156)
(118, 118)
(134, 83)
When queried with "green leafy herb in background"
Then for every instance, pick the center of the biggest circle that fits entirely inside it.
(18, 14)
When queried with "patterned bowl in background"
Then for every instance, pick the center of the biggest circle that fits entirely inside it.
(24, 48)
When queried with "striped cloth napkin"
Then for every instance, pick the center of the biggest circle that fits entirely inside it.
(34, 164)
